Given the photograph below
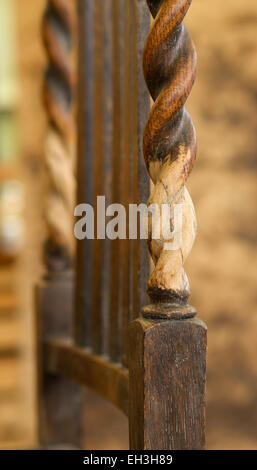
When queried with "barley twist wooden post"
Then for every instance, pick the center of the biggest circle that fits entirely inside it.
(168, 345)
(60, 401)
(57, 31)
(170, 150)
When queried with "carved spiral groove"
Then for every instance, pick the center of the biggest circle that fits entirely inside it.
(59, 84)
(170, 64)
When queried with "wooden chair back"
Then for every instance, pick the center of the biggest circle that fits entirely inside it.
(96, 327)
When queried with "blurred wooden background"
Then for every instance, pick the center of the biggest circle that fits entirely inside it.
(17, 365)
(222, 266)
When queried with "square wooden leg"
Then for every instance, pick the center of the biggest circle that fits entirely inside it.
(60, 402)
(167, 384)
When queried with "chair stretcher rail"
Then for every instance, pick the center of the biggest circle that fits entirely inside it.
(109, 380)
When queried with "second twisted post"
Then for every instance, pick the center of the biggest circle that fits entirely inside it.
(59, 85)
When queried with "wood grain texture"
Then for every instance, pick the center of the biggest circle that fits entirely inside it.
(170, 148)
(167, 384)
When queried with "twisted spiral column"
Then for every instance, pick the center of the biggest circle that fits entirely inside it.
(170, 63)
(59, 83)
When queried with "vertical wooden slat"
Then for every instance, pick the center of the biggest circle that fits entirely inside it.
(118, 109)
(133, 302)
(84, 283)
(135, 176)
(107, 77)
(98, 175)
(126, 176)
(143, 106)
(102, 118)
(94, 169)
(135, 252)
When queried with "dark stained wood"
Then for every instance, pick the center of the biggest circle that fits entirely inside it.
(140, 180)
(102, 157)
(107, 163)
(61, 413)
(167, 384)
(126, 177)
(134, 259)
(60, 402)
(113, 105)
(85, 368)
(115, 332)
(143, 105)
(54, 303)
(84, 281)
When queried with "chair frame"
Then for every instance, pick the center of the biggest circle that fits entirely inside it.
(159, 382)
